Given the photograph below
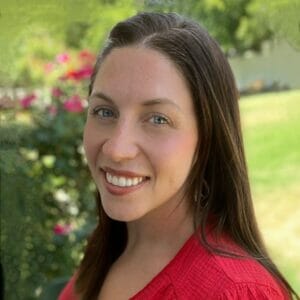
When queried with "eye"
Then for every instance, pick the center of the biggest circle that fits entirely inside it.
(104, 113)
(158, 120)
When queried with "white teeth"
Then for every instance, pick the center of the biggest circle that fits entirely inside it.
(129, 182)
(122, 181)
(115, 180)
(108, 177)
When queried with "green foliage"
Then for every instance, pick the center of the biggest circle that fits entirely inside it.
(103, 17)
(76, 24)
(284, 17)
(231, 22)
(20, 217)
(239, 25)
(30, 251)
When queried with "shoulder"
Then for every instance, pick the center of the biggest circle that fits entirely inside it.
(202, 273)
(251, 291)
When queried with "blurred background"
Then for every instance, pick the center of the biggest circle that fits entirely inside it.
(47, 50)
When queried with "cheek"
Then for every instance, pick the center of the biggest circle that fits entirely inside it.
(90, 143)
(175, 152)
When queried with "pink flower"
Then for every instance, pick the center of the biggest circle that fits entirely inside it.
(62, 58)
(83, 73)
(87, 56)
(56, 92)
(48, 67)
(62, 229)
(27, 100)
(74, 104)
(52, 110)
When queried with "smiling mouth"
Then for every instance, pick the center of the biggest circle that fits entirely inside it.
(123, 181)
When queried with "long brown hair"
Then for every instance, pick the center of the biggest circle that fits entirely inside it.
(220, 158)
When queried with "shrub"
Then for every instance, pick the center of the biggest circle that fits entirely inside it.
(46, 190)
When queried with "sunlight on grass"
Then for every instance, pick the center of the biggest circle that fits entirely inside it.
(271, 124)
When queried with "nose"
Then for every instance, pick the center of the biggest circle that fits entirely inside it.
(121, 145)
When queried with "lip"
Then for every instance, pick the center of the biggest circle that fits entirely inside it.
(120, 191)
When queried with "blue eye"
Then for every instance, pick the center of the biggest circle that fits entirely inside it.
(157, 119)
(104, 113)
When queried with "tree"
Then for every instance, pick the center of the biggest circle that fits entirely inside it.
(239, 25)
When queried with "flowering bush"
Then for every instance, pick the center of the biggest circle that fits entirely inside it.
(74, 104)
(47, 192)
(27, 100)
(62, 229)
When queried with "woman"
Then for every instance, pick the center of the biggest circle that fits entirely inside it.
(164, 147)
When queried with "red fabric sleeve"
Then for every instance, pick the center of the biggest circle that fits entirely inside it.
(68, 292)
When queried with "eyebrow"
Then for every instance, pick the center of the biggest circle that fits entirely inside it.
(150, 102)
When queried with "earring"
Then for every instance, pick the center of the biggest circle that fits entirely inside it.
(205, 190)
(203, 194)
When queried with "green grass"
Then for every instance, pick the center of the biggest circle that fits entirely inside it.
(271, 125)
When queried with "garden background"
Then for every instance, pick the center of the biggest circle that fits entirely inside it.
(47, 198)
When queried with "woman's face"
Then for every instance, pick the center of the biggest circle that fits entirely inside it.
(141, 134)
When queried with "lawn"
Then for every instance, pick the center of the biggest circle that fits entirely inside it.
(271, 125)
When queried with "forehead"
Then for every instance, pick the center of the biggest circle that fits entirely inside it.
(140, 73)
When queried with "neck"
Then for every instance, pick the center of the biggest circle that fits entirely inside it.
(164, 230)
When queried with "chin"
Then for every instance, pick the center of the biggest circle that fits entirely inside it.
(122, 215)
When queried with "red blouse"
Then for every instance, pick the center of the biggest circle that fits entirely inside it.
(195, 273)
